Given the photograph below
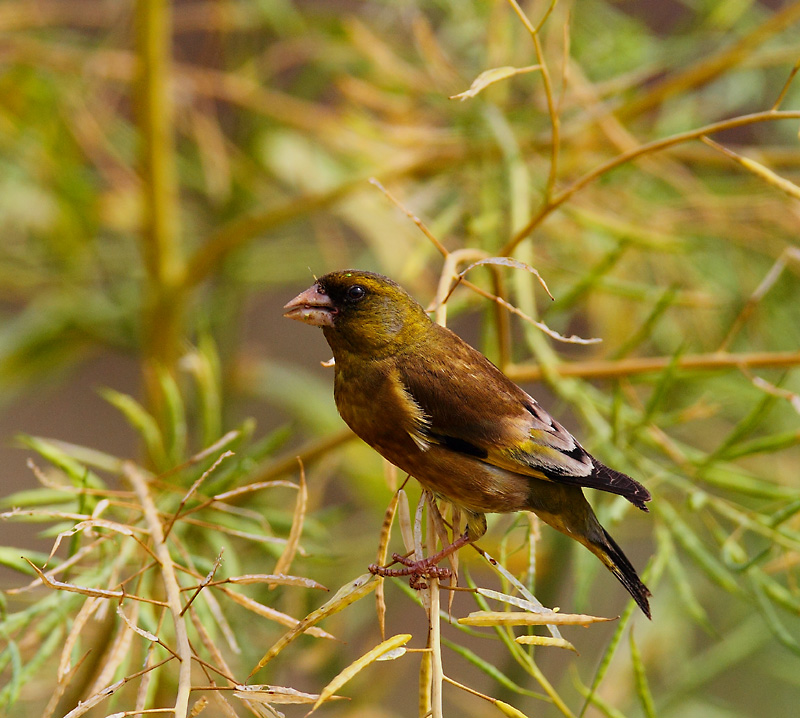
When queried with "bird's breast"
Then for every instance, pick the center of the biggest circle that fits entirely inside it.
(379, 412)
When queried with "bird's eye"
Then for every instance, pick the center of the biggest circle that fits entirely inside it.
(356, 293)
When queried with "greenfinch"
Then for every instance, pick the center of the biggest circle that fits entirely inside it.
(441, 411)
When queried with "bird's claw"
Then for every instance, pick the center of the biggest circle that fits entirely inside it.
(416, 570)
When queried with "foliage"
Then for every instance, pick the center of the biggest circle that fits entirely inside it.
(645, 165)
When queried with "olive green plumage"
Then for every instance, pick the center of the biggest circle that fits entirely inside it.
(439, 410)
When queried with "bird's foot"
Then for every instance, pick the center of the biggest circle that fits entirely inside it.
(419, 570)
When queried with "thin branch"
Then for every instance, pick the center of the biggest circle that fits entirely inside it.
(163, 308)
(646, 149)
(171, 586)
(772, 276)
(84, 706)
(599, 369)
(552, 110)
(193, 488)
(787, 84)
(86, 590)
(712, 64)
(205, 582)
(416, 220)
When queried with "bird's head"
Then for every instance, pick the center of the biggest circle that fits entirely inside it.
(361, 312)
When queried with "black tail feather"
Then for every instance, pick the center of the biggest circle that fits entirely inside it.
(622, 568)
(604, 478)
(615, 482)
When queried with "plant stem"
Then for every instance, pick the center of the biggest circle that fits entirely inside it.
(599, 369)
(163, 305)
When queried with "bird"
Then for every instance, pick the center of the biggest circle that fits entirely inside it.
(439, 410)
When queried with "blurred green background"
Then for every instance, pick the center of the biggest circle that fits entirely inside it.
(172, 173)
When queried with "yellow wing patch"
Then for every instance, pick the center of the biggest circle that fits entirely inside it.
(417, 421)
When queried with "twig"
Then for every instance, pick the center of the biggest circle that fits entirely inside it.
(435, 644)
(307, 454)
(712, 64)
(205, 582)
(97, 698)
(86, 590)
(790, 253)
(171, 586)
(787, 84)
(284, 562)
(193, 488)
(416, 220)
(599, 369)
(552, 111)
(642, 150)
(160, 241)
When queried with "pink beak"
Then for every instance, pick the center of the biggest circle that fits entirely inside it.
(312, 307)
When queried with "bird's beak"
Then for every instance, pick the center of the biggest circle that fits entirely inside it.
(311, 307)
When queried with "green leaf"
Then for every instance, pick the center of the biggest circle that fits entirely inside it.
(605, 660)
(731, 479)
(775, 592)
(143, 422)
(693, 546)
(174, 419)
(763, 445)
(204, 365)
(41, 496)
(12, 558)
(78, 474)
(642, 686)
(681, 580)
(745, 427)
(784, 514)
(781, 633)
(663, 387)
(643, 333)
(11, 691)
(490, 669)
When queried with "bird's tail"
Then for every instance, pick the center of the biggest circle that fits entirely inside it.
(607, 550)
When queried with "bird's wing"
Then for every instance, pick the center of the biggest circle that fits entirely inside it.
(471, 407)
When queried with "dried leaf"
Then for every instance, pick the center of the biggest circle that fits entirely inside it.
(383, 551)
(199, 706)
(347, 594)
(289, 551)
(425, 676)
(274, 579)
(519, 586)
(61, 586)
(784, 185)
(141, 631)
(272, 614)
(406, 529)
(489, 77)
(275, 694)
(386, 528)
(522, 603)
(118, 653)
(520, 618)
(390, 644)
(508, 262)
(546, 641)
(88, 608)
(393, 655)
(508, 710)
